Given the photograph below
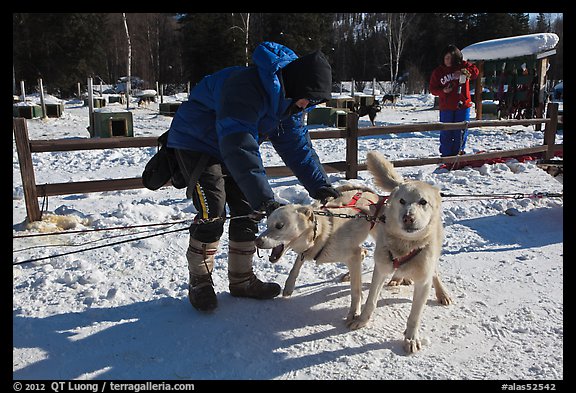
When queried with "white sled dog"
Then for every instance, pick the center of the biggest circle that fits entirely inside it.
(408, 244)
(324, 238)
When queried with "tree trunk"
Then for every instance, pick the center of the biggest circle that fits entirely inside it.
(129, 82)
(247, 35)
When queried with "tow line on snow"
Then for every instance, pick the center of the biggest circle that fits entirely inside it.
(517, 195)
(196, 221)
(536, 195)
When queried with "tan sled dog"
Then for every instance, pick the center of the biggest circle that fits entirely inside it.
(408, 244)
(324, 238)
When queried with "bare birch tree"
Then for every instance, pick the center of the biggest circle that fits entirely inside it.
(129, 82)
(397, 33)
(246, 30)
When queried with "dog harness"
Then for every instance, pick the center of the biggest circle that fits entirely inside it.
(399, 261)
(352, 205)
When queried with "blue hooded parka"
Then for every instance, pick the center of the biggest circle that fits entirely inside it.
(229, 113)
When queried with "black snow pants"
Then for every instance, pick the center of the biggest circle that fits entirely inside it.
(214, 190)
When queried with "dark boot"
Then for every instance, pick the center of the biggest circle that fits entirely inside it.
(242, 281)
(201, 293)
(200, 265)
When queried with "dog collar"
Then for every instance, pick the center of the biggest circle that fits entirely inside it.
(314, 236)
(399, 261)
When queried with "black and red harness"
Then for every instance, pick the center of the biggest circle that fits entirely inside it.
(396, 262)
(352, 205)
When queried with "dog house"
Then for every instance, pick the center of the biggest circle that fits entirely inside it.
(169, 108)
(54, 109)
(27, 111)
(116, 98)
(99, 102)
(364, 99)
(345, 102)
(330, 117)
(112, 124)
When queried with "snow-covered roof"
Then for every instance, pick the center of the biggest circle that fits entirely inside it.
(509, 47)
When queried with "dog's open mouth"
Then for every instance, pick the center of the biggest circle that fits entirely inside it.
(276, 253)
(412, 229)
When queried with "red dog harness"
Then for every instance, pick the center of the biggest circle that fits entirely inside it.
(381, 201)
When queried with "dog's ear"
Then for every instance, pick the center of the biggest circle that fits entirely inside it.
(307, 211)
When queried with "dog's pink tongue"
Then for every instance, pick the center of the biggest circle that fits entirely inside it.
(276, 253)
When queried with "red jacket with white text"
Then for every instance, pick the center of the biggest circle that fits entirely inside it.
(444, 76)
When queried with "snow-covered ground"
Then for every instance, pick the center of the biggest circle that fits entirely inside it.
(122, 312)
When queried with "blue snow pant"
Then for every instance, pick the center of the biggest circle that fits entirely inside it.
(453, 142)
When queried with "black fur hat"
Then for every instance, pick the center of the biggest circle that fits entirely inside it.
(309, 77)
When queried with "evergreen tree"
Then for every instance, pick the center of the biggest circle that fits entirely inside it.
(209, 43)
(542, 24)
(301, 32)
(62, 48)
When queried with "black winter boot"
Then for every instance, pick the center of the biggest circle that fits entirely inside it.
(200, 265)
(201, 293)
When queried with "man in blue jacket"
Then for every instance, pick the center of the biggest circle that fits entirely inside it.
(216, 136)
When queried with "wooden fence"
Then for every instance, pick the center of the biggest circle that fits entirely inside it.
(32, 191)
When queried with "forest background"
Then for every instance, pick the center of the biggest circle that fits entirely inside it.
(175, 49)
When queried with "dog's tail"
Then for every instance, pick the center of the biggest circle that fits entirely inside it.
(385, 176)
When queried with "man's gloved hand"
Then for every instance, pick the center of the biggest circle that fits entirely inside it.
(266, 209)
(325, 192)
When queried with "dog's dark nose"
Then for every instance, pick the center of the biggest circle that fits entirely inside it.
(408, 219)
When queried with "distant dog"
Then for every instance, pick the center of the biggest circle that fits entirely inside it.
(392, 98)
(370, 110)
(408, 244)
(323, 238)
(145, 100)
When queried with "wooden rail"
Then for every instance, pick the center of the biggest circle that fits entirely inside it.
(32, 191)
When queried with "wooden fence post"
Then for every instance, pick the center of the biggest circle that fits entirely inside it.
(26, 169)
(352, 145)
(550, 129)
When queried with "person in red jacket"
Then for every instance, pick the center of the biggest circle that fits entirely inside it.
(450, 81)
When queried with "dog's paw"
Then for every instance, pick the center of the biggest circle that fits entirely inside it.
(345, 277)
(412, 345)
(288, 289)
(352, 316)
(287, 292)
(444, 299)
(396, 281)
(356, 323)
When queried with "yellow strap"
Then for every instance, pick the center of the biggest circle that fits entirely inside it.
(203, 206)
